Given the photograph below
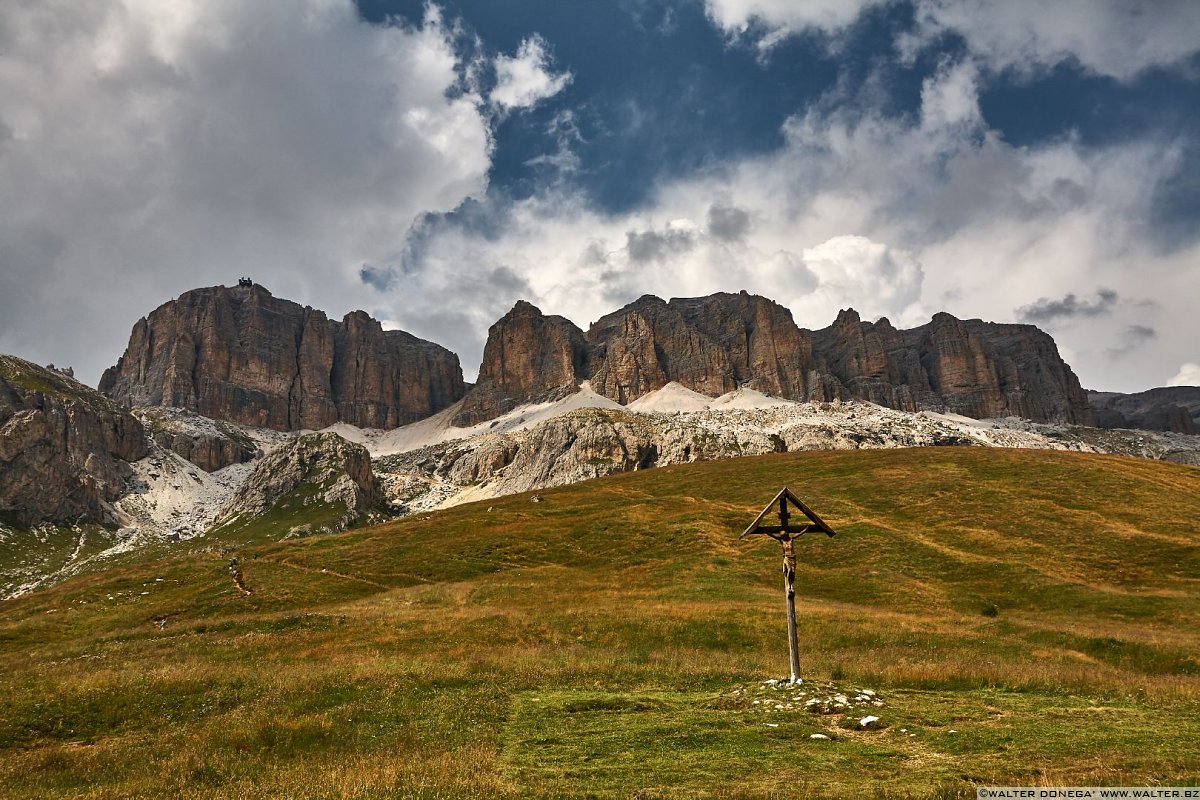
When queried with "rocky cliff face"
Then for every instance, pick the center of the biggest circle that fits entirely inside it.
(969, 367)
(649, 343)
(528, 355)
(1169, 408)
(64, 448)
(765, 348)
(242, 355)
(868, 362)
(715, 344)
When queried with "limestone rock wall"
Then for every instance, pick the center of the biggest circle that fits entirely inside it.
(528, 355)
(717, 343)
(243, 355)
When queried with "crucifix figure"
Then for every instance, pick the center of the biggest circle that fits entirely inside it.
(786, 532)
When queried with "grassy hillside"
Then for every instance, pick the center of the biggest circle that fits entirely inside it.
(1026, 618)
(45, 551)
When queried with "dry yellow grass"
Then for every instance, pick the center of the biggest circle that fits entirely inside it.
(603, 643)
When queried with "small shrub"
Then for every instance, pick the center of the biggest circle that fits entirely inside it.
(990, 610)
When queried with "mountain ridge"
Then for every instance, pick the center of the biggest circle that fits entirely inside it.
(720, 342)
(241, 355)
(1166, 408)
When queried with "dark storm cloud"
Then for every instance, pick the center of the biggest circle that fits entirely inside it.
(658, 245)
(728, 223)
(505, 281)
(1140, 333)
(1176, 204)
(378, 278)
(1133, 337)
(1045, 310)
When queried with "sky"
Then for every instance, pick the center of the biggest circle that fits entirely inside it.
(1032, 161)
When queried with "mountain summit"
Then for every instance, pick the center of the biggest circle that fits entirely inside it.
(243, 355)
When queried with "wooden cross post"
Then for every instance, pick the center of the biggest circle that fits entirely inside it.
(786, 533)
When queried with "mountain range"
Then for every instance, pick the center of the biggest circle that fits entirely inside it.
(243, 355)
(202, 424)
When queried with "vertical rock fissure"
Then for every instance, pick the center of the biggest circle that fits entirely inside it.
(296, 390)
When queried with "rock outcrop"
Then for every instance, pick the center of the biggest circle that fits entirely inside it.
(1168, 408)
(321, 474)
(969, 367)
(209, 444)
(650, 343)
(64, 447)
(243, 355)
(764, 347)
(718, 343)
(528, 356)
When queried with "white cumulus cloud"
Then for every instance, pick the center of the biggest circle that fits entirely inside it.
(1188, 375)
(526, 79)
(1118, 38)
(150, 147)
(894, 216)
(873, 278)
(784, 16)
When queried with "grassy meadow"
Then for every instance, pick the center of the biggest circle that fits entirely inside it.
(1025, 617)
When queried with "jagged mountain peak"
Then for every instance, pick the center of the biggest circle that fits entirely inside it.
(716, 343)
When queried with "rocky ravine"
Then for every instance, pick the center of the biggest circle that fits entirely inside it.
(242, 355)
(83, 480)
(322, 480)
(209, 444)
(715, 344)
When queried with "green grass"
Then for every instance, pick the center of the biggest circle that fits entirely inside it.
(1026, 617)
(298, 512)
(28, 553)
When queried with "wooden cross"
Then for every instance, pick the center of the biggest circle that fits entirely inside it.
(785, 533)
